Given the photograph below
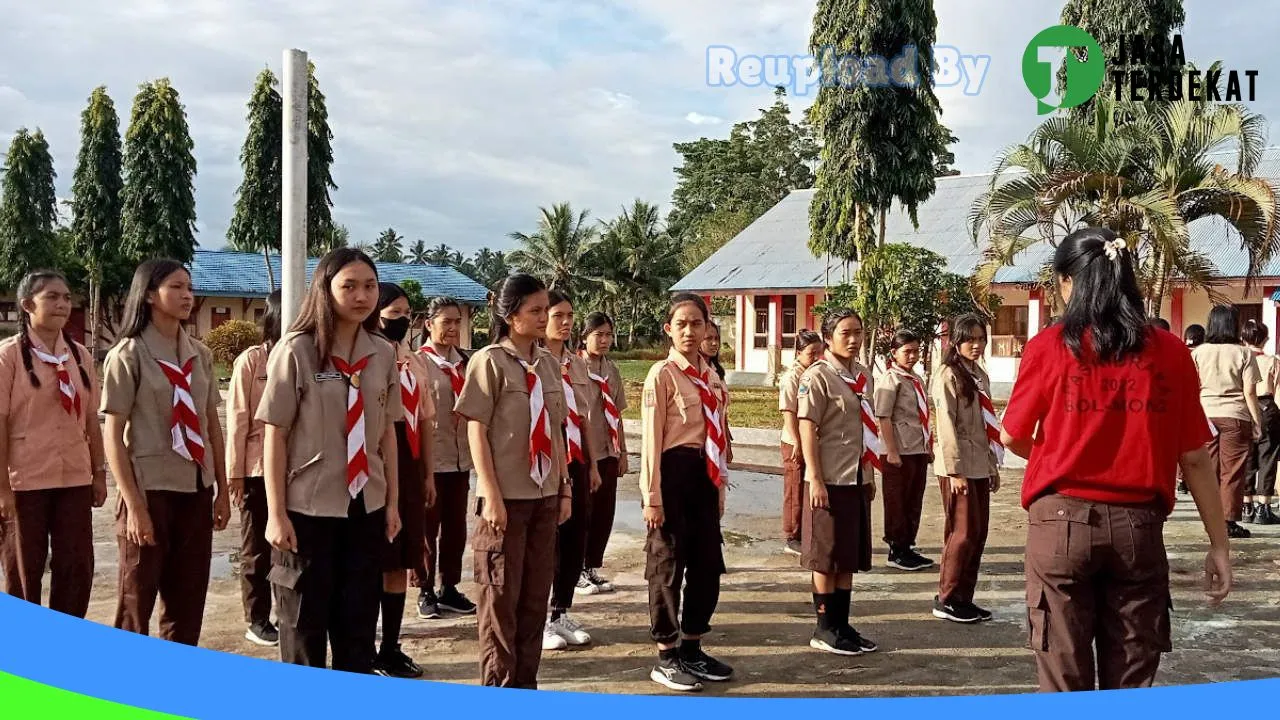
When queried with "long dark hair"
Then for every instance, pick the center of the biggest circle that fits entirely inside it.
(316, 315)
(511, 295)
(594, 322)
(147, 278)
(1194, 336)
(1224, 326)
(1105, 300)
(965, 328)
(1255, 333)
(31, 286)
(271, 320)
(902, 337)
(682, 298)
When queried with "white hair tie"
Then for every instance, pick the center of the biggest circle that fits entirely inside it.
(1113, 248)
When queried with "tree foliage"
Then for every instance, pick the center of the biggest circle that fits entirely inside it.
(320, 227)
(418, 252)
(231, 338)
(387, 247)
(28, 208)
(557, 250)
(96, 204)
(159, 207)
(256, 222)
(633, 265)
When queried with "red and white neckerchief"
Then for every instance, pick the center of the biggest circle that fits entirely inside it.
(872, 448)
(70, 398)
(990, 420)
(357, 453)
(539, 426)
(185, 429)
(453, 370)
(611, 416)
(410, 395)
(712, 419)
(573, 421)
(922, 402)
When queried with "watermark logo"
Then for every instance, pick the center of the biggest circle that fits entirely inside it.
(1049, 50)
(801, 74)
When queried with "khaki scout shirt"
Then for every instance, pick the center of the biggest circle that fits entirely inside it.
(451, 452)
(135, 387)
(244, 431)
(1225, 371)
(788, 400)
(962, 444)
(308, 399)
(825, 399)
(48, 447)
(672, 417)
(497, 396)
(1267, 368)
(895, 398)
(597, 426)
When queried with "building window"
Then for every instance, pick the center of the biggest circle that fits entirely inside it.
(760, 339)
(788, 320)
(1009, 332)
(218, 316)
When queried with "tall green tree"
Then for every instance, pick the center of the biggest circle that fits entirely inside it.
(1108, 21)
(256, 222)
(556, 251)
(880, 133)
(418, 252)
(338, 237)
(635, 262)
(439, 255)
(319, 165)
(95, 199)
(159, 214)
(387, 247)
(28, 208)
(723, 185)
(490, 267)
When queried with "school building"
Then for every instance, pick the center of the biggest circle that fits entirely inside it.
(234, 286)
(776, 281)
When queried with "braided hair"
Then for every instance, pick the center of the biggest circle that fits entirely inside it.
(31, 286)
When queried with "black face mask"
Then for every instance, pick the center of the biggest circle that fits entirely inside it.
(396, 329)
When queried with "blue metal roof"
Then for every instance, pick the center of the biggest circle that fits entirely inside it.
(224, 273)
(772, 253)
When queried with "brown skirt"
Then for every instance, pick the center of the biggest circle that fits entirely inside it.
(837, 539)
(406, 551)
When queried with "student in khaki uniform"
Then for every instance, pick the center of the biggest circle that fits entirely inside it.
(244, 474)
(902, 410)
(970, 467)
(446, 524)
(809, 348)
(407, 552)
(515, 405)
(571, 540)
(164, 445)
(331, 403)
(683, 476)
(606, 399)
(1260, 484)
(52, 472)
(840, 448)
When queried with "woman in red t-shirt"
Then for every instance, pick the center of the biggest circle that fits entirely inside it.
(1116, 403)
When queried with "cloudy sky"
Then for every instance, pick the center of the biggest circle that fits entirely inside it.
(454, 120)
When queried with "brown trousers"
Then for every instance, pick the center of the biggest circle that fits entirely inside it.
(571, 540)
(1230, 453)
(1097, 574)
(514, 569)
(903, 495)
(964, 538)
(176, 568)
(61, 518)
(255, 553)
(686, 550)
(604, 502)
(793, 499)
(446, 532)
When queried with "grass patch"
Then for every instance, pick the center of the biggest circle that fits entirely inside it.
(748, 407)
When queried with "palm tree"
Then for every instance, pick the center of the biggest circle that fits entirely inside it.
(387, 247)
(491, 267)
(1146, 179)
(418, 252)
(637, 260)
(556, 252)
(439, 255)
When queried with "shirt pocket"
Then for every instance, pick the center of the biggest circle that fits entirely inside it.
(690, 405)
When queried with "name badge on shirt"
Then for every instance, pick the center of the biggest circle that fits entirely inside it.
(332, 375)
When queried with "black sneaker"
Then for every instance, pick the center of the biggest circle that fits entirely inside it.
(955, 612)
(1236, 532)
(1249, 513)
(909, 560)
(793, 547)
(864, 644)
(396, 664)
(428, 606)
(1266, 516)
(704, 666)
(264, 634)
(834, 643)
(984, 615)
(454, 601)
(671, 674)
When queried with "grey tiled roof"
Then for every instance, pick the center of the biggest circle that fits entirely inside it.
(772, 253)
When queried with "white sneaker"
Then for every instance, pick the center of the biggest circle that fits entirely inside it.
(585, 586)
(602, 585)
(551, 640)
(569, 630)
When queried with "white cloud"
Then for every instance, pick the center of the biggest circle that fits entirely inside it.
(698, 118)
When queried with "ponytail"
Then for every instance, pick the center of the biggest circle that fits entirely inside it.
(1105, 300)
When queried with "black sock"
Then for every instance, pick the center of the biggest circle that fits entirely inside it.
(824, 607)
(669, 653)
(689, 648)
(842, 599)
(392, 616)
(556, 613)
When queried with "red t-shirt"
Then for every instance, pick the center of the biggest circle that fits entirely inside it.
(1110, 432)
